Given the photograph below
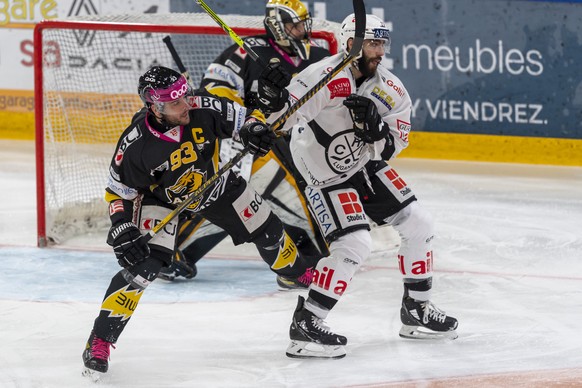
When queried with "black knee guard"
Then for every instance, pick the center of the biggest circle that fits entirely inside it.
(145, 272)
(305, 244)
(279, 251)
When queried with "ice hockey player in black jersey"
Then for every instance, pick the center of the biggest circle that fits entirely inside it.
(167, 152)
(235, 75)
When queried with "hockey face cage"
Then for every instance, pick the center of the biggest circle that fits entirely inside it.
(281, 12)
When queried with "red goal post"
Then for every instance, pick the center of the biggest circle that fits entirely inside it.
(86, 71)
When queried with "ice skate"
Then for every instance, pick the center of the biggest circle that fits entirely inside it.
(423, 320)
(311, 338)
(300, 283)
(96, 357)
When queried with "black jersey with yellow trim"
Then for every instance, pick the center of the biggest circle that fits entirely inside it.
(234, 73)
(171, 163)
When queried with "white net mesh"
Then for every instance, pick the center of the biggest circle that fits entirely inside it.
(89, 77)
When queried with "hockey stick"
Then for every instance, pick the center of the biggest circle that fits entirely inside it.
(237, 39)
(168, 41)
(360, 15)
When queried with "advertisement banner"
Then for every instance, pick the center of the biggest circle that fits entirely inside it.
(496, 67)
(492, 67)
(17, 20)
(16, 59)
(32, 11)
(508, 68)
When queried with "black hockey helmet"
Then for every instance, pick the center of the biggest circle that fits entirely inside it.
(278, 13)
(160, 84)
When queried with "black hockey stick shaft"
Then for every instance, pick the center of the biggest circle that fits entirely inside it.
(168, 41)
(360, 15)
(358, 41)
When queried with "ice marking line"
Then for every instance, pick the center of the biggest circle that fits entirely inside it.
(486, 273)
(563, 377)
(224, 256)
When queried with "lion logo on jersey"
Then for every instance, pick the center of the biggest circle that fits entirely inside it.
(188, 182)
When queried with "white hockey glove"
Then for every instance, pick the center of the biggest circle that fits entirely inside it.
(128, 244)
(368, 124)
(257, 137)
(271, 88)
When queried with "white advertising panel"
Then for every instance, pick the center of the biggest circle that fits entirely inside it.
(16, 59)
(16, 34)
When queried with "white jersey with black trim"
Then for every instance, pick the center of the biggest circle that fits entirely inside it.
(323, 142)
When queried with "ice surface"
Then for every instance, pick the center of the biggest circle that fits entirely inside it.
(508, 257)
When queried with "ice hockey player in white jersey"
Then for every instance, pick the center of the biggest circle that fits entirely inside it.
(341, 140)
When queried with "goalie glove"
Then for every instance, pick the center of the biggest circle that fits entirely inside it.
(271, 87)
(257, 137)
(128, 244)
(368, 124)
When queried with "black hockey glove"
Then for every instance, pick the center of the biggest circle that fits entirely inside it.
(257, 137)
(181, 267)
(271, 88)
(128, 244)
(368, 124)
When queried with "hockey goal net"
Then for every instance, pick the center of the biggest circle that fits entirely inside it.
(86, 73)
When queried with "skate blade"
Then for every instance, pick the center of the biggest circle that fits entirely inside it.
(304, 349)
(422, 333)
(287, 289)
(92, 374)
(288, 286)
(166, 277)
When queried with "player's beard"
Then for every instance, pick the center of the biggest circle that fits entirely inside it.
(171, 122)
(366, 67)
